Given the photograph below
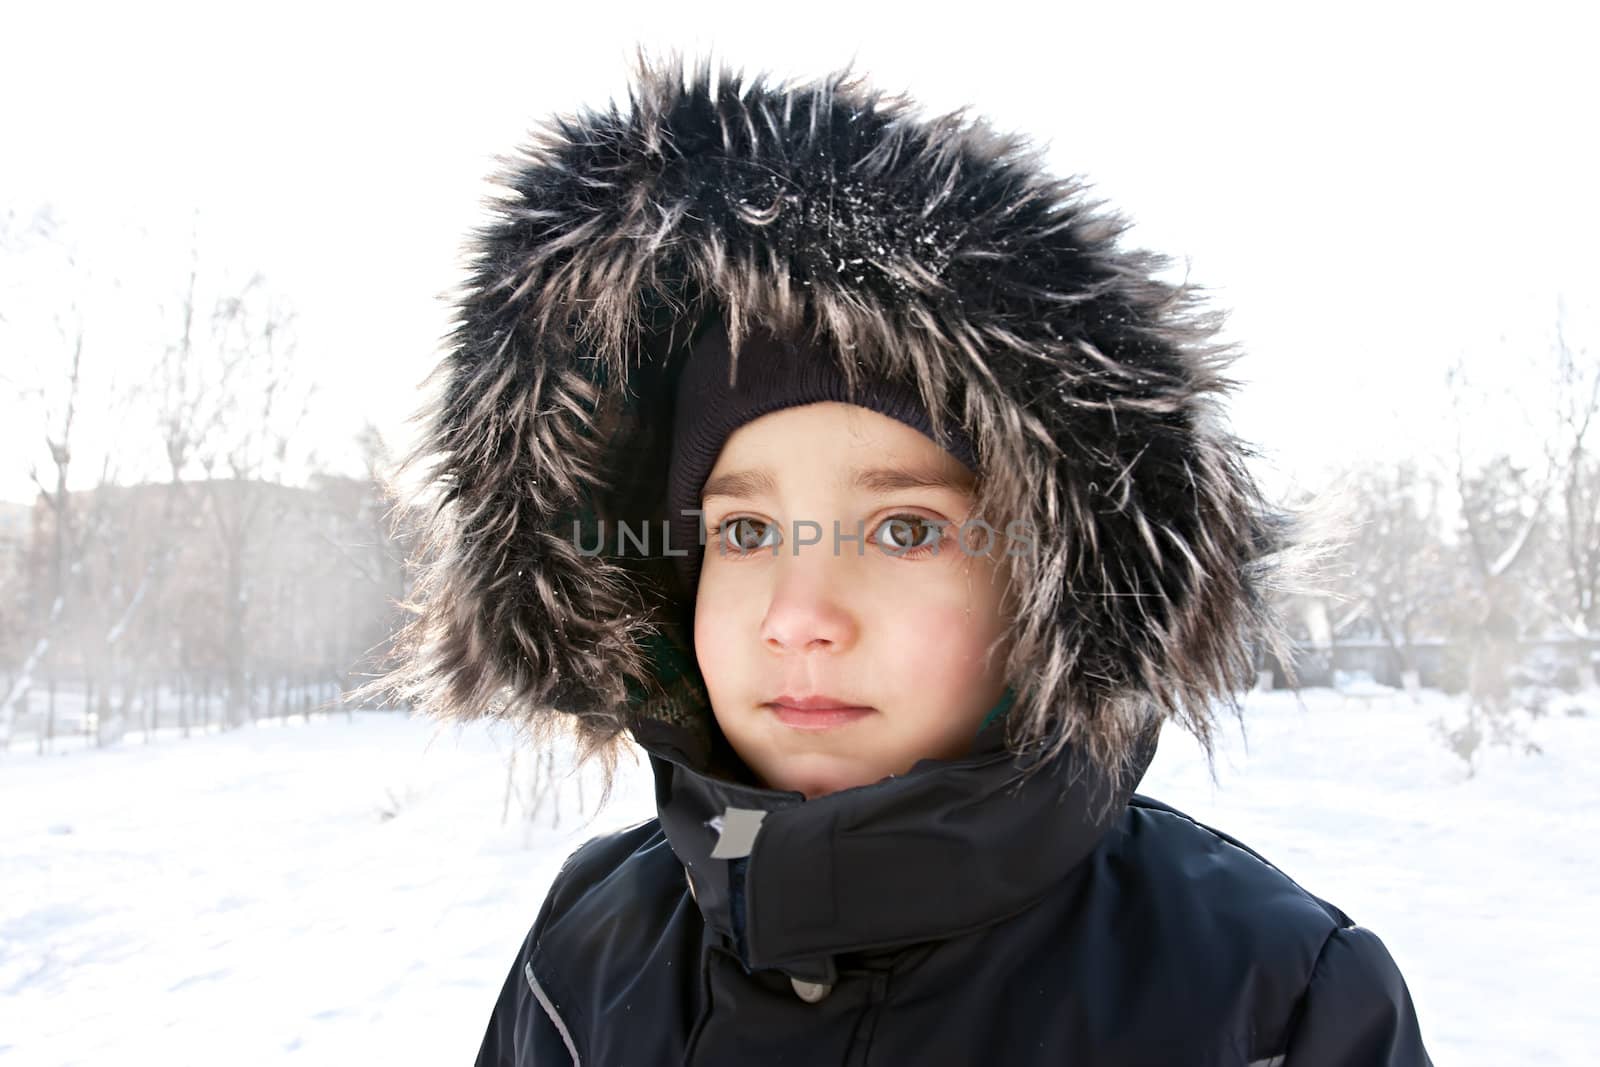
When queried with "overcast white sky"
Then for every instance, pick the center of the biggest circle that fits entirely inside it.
(1372, 190)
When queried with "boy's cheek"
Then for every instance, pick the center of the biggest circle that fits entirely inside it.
(929, 629)
(721, 614)
(726, 640)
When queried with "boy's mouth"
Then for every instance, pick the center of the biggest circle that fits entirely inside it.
(819, 712)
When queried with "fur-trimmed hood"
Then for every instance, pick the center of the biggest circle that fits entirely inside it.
(933, 250)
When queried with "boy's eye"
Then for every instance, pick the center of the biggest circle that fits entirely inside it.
(746, 534)
(903, 534)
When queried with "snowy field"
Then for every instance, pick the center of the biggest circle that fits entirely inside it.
(345, 890)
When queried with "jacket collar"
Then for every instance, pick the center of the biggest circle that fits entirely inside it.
(950, 846)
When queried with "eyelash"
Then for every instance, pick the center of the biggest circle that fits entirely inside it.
(714, 535)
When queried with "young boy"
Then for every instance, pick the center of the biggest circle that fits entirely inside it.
(841, 458)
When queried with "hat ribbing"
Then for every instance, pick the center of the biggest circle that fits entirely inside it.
(773, 373)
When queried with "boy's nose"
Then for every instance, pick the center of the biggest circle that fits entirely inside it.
(807, 611)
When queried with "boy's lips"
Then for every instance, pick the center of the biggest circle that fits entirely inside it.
(816, 712)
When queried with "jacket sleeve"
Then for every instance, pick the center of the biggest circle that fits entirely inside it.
(520, 1032)
(1356, 1010)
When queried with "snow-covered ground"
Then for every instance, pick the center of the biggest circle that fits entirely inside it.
(345, 891)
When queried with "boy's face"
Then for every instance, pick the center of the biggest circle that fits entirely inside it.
(884, 623)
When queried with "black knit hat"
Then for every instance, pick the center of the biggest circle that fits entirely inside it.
(772, 373)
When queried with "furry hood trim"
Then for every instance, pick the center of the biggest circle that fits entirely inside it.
(932, 250)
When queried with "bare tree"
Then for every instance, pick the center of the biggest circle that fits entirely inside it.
(50, 376)
(1399, 566)
(1566, 583)
(20, 233)
(1504, 515)
(190, 393)
(369, 548)
(65, 548)
(261, 413)
(198, 569)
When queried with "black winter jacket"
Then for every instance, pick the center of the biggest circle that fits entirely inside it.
(955, 914)
(937, 918)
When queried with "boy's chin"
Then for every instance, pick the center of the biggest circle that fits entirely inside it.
(818, 777)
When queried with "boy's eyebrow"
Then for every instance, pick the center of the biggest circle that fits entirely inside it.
(740, 484)
(888, 479)
(758, 482)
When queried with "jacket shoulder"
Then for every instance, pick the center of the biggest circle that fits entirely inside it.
(600, 861)
(629, 884)
(1321, 991)
(1356, 1008)
(536, 1019)
(1221, 873)
(1222, 909)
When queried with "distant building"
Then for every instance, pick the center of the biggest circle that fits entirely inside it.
(213, 579)
(14, 524)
